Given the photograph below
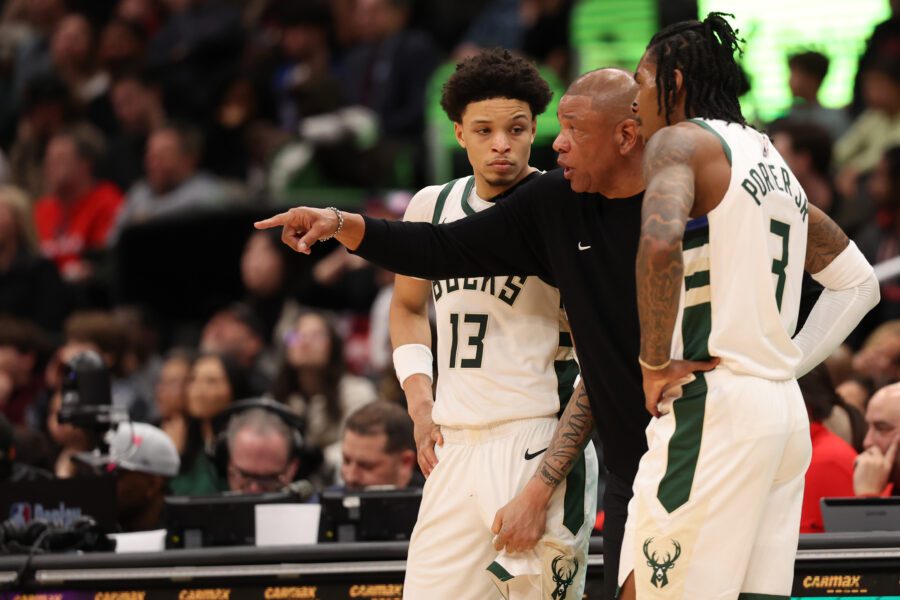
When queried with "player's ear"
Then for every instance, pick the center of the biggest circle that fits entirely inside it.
(458, 131)
(533, 129)
(679, 82)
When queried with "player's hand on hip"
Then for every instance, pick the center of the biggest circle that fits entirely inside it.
(664, 384)
(302, 226)
(872, 468)
(520, 524)
(427, 435)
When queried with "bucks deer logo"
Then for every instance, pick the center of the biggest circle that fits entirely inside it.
(563, 575)
(660, 567)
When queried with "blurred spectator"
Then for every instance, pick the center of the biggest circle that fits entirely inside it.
(879, 358)
(171, 396)
(137, 103)
(497, 25)
(145, 13)
(302, 82)
(378, 448)
(314, 384)
(144, 460)
(236, 332)
(830, 472)
(389, 71)
(30, 286)
(13, 470)
(546, 33)
(806, 147)
(876, 129)
(339, 281)
(46, 108)
(173, 182)
(141, 362)
(75, 61)
(36, 21)
(808, 71)
(69, 440)
(883, 46)
(194, 53)
(22, 352)
(123, 46)
(856, 393)
(877, 471)
(78, 211)
(214, 383)
(261, 452)
(268, 272)
(104, 333)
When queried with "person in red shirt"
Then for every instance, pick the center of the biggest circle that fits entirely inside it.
(830, 472)
(877, 471)
(78, 211)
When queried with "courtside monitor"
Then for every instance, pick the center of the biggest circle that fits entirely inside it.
(226, 519)
(861, 514)
(368, 516)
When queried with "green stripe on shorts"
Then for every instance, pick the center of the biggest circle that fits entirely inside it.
(499, 572)
(573, 505)
(684, 446)
(744, 596)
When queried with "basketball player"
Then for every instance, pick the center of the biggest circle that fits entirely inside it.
(505, 363)
(577, 227)
(726, 234)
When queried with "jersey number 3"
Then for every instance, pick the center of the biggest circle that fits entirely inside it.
(476, 341)
(782, 230)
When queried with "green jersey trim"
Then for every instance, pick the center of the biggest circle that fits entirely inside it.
(467, 191)
(712, 130)
(441, 199)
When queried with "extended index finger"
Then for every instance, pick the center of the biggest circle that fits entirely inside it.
(275, 221)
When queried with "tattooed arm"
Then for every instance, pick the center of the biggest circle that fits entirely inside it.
(668, 200)
(851, 290)
(520, 524)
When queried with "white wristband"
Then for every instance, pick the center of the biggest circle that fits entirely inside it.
(410, 359)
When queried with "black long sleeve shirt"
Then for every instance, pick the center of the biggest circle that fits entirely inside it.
(584, 244)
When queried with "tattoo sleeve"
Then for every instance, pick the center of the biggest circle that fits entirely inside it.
(660, 267)
(571, 436)
(824, 241)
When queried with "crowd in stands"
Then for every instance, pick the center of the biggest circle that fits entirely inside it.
(140, 138)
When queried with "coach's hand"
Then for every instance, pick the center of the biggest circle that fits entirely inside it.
(303, 226)
(872, 469)
(520, 524)
(660, 381)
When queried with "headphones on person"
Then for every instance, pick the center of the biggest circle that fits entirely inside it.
(293, 422)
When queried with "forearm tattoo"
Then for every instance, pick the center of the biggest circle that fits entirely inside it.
(825, 240)
(571, 436)
(660, 267)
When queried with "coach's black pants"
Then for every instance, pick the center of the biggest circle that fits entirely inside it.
(615, 504)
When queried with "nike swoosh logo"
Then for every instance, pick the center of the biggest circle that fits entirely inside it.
(530, 456)
(580, 247)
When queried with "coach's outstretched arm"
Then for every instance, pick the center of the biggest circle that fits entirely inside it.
(504, 240)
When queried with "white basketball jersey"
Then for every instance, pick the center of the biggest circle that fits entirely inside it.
(744, 262)
(504, 350)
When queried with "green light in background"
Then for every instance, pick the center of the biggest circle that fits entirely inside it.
(775, 29)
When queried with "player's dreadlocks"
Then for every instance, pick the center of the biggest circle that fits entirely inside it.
(704, 53)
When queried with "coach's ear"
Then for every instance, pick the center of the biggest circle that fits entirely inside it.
(458, 130)
(626, 136)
